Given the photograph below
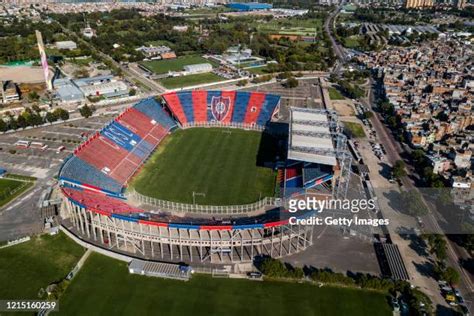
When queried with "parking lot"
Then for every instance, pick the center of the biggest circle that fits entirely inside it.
(47, 146)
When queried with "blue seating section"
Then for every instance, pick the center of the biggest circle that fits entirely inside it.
(186, 99)
(121, 135)
(152, 108)
(271, 101)
(240, 107)
(80, 171)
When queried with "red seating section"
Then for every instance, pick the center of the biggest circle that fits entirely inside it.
(175, 105)
(254, 107)
(231, 95)
(101, 152)
(200, 106)
(136, 121)
(292, 172)
(99, 202)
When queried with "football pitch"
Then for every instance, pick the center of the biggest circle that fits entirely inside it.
(30, 266)
(104, 287)
(209, 166)
(177, 64)
(10, 189)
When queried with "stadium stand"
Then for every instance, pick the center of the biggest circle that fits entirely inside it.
(223, 106)
(174, 105)
(79, 172)
(108, 159)
(200, 106)
(240, 107)
(254, 107)
(152, 109)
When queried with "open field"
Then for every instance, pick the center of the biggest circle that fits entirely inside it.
(30, 266)
(105, 287)
(354, 129)
(10, 189)
(334, 94)
(163, 66)
(352, 41)
(218, 163)
(190, 80)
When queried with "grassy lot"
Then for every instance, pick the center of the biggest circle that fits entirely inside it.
(290, 25)
(220, 163)
(28, 267)
(334, 94)
(190, 80)
(354, 129)
(257, 70)
(352, 41)
(163, 66)
(10, 189)
(104, 287)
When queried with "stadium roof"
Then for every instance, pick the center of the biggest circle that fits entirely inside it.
(310, 137)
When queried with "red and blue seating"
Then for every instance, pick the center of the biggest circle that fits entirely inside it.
(251, 108)
(108, 159)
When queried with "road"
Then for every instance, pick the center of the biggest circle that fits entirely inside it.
(340, 52)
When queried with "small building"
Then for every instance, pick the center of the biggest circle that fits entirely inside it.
(249, 6)
(3, 172)
(198, 68)
(67, 91)
(10, 92)
(169, 55)
(153, 51)
(462, 159)
(70, 45)
(107, 86)
(180, 28)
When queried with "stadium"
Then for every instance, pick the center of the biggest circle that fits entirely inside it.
(203, 177)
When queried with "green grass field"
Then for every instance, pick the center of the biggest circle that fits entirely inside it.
(190, 80)
(104, 287)
(221, 163)
(28, 267)
(354, 129)
(10, 189)
(334, 94)
(163, 66)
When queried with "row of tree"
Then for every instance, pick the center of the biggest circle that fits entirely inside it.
(416, 299)
(33, 116)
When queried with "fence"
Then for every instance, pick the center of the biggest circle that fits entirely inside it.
(210, 209)
(254, 127)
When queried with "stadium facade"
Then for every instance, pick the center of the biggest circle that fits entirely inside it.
(98, 209)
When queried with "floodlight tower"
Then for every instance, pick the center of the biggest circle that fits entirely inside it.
(44, 61)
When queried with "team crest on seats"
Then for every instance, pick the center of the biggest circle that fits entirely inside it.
(220, 107)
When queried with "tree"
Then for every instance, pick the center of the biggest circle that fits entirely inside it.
(33, 96)
(61, 113)
(3, 125)
(398, 169)
(85, 111)
(368, 114)
(291, 83)
(451, 275)
(21, 121)
(132, 92)
(411, 201)
(50, 117)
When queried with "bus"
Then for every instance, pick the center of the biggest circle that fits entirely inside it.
(39, 145)
(22, 144)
